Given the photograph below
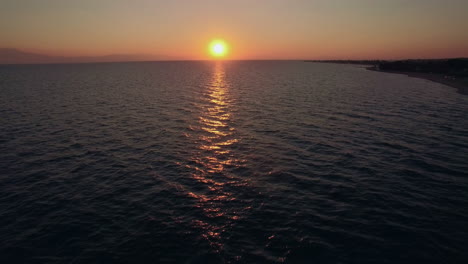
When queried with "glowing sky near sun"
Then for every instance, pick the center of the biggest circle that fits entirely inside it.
(263, 29)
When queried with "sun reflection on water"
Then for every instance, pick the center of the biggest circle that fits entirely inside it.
(213, 160)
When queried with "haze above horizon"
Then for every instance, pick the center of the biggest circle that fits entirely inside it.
(276, 29)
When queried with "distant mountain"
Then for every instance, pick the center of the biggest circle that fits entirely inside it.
(15, 56)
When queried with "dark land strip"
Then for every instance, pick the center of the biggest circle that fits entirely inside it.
(450, 72)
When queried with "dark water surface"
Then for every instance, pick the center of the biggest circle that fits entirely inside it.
(230, 162)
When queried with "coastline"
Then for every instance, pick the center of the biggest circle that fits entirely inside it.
(460, 84)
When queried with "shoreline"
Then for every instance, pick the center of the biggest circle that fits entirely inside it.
(460, 85)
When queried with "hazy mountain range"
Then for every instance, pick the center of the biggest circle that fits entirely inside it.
(15, 56)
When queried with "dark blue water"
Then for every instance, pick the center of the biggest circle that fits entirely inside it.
(230, 162)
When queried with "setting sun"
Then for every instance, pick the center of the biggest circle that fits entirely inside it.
(218, 48)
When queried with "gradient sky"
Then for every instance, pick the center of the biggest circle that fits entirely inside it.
(262, 29)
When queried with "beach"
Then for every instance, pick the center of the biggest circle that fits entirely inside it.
(461, 84)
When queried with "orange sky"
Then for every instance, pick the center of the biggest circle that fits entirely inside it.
(262, 29)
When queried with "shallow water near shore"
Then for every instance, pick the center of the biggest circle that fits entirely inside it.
(230, 162)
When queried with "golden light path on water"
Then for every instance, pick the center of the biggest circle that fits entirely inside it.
(215, 137)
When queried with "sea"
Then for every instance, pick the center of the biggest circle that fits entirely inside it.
(230, 162)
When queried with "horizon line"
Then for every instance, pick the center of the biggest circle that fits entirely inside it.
(227, 60)
(72, 59)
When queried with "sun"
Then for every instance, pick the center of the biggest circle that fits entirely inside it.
(218, 48)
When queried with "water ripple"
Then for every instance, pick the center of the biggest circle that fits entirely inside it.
(230, 162)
